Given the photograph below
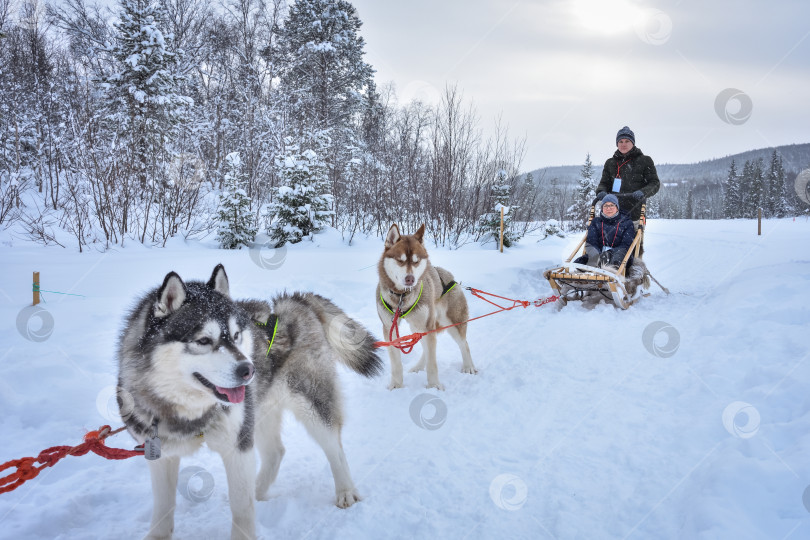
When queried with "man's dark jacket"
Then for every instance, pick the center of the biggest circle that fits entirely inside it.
(637, 173)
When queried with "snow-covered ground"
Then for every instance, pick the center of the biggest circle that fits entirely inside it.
(686, 416)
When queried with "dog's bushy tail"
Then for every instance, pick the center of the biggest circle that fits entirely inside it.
(353, 343)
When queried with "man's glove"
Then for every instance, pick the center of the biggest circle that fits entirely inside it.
(582, 259)
(604, 258)
(601, 195)
(638, 194)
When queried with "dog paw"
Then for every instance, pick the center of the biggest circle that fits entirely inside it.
(417, 368)
(470, 370)
(436, 384)
(394, 385)
(347, 498)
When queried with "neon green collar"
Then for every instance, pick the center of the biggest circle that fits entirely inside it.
(384, 303)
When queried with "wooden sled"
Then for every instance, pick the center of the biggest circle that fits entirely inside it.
(572, 281)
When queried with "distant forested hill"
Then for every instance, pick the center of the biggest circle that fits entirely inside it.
(795, 157)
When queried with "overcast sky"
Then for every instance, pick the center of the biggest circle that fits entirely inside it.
(694, 80)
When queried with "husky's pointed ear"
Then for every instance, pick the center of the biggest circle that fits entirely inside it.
(171, 295)
(219, 281)
(420, 233)
(393, 236)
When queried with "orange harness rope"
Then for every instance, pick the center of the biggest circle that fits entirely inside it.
(93, 442)
(406, 343)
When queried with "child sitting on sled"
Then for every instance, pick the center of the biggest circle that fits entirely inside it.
(609, 236)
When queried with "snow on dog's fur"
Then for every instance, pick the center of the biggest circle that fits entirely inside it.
(194, 367)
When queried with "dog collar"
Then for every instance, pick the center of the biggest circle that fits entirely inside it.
(384, 303)
(272, 320)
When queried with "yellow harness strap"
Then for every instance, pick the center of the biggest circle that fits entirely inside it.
(275, 329)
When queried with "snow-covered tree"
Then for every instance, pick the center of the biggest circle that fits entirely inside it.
(756, 197)
(583, 197)
(778, 204)
(322, 71)
(324, 80)
(552, 228)
(689, 212)
(753, 193)
(653, 209)
(302, 204)
(489, 224)
(236, 222)
(143, 90)
(235, 86)
(746, 180)
(731, 194)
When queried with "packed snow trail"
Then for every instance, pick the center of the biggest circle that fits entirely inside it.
(685, 416)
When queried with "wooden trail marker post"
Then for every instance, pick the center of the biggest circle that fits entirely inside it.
(36, 288)
(759, 221)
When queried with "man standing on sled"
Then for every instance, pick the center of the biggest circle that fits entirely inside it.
(630, 173)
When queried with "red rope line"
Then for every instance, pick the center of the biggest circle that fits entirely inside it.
(93, 442)
(406, 343)
(395, 326)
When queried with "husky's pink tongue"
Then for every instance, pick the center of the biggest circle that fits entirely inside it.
(235, 395)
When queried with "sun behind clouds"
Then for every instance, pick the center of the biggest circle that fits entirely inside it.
(603, 17)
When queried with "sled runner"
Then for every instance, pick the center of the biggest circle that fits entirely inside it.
(623, 285)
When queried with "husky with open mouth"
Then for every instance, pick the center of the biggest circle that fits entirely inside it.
(197, 367)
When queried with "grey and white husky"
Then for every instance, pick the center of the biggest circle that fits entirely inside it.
(427, 297)
(197, 367)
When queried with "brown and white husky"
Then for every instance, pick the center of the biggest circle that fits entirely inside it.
(427, 297)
